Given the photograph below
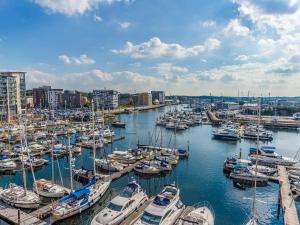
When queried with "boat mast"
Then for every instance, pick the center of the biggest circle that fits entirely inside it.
(70, 164)
(22, 160)
(94, 144)
(256, 159)
(28, 153)
(52, 160)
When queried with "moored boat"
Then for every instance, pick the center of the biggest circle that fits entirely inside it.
(123, 205)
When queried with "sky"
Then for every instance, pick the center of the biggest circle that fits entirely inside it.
(186, 47)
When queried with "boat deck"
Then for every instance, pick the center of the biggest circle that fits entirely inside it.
(15, 216)
(134, 216)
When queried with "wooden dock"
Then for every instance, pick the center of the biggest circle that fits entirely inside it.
(134, 216)
(290, 215)
(279, 122)
(185, 212)
(15, 216)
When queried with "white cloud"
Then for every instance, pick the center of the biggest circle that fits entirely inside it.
(154, 48)
(97, 18)
(234, 27)
(124, 24)
(82, 59)
(208, 23)
(65, 59)
(169, 71)
(102, 75)
(72, 7)
(242, 58)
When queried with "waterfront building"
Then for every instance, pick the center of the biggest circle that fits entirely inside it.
(106, 99)
(55, 98)
(144, 98)
(29, 102)
(40, 96)
(12, 94)
(72, 99)
(159, 96)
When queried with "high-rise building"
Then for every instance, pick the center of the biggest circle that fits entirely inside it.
(159, 96)
(72, 99)
(40, 96)
(106, 99)
(144, 98)
(12, 94)
(55, 98)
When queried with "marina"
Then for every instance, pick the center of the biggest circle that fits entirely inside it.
(152, 184)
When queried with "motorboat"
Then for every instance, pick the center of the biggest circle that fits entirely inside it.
(108, 165)
(7, 164)
(58, 153)
(34, 162)
(118, 124)
(267, 156)
(19, 197)
(122, 157)
(83, 175)
(243, 175)
(203, 215)
(225, 134)
(182, 153)
(48, 189)
(143, 168)
(165, 209)
(123, 205)
(79, 200)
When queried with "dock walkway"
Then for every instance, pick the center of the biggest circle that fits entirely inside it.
(185, 212)
(290, 215)
(15, 216)
(134, 216)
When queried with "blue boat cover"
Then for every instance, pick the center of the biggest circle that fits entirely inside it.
(161, 201)
(3, 157)
(80, 192)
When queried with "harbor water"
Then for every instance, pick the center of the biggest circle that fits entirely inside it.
(200, 177)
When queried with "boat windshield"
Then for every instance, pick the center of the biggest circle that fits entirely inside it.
(114, 207)
(151, 219)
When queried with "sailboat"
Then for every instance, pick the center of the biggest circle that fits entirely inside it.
(84, 175)
(48, 188)
(82, 198)
(253, 220)
(18, 196)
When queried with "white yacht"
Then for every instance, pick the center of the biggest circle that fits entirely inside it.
(121, 206)
(19, 197)
(108, 165)
(267, 156)
(165, 209)
(6, 164)
(202, 215)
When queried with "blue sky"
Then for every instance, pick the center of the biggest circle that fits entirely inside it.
(192, 47)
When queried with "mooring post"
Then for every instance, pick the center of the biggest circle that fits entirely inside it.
(19, 217)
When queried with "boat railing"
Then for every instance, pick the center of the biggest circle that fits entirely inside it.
(205, 204)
